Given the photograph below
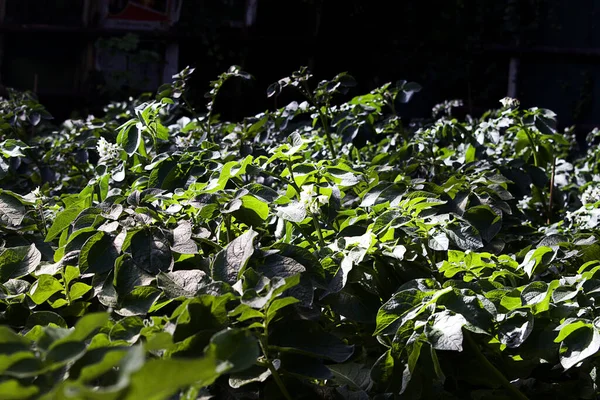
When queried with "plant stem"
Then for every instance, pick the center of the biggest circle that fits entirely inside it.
(516, 393)
(293, 179)
(325, 124)
(307, 237)
(551, 189)
(317, 228)
(40, 209)
(228, 227)
(279, 382)
(532, 144)
(274, 372)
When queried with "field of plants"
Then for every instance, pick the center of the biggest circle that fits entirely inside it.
(326, 249)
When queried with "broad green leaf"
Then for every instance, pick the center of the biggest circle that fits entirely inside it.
(63, 220)
(43, 288)
(12, 210)
(397, 307)
(446, 331)
(203, 313)
(252, 374)
(230, 261)
(536, 261)
(439, 242)
(78, 290)
(294, 212)
(98, 254)
(129, 138)
(305, 338)
(151, 252)
(516, 328)
(17, 262)
(355, 375)
(465, 237)
(180, 283)
(244, 312)
(138, 301)
(277, 305)
(487, 222)
(580, 344)
(233, 349)
(13, 390)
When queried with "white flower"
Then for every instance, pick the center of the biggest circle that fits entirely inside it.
(311, 200)
(591, 195)
(509, 102)
(446, 107)
(183, 141)
(523, 204)
(107, 150)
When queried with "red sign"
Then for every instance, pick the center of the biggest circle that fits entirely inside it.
(141, 14)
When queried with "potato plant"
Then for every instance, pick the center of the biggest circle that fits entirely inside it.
(326, 249)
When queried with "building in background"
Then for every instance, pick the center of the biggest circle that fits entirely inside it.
(75, 53)
(78, 54)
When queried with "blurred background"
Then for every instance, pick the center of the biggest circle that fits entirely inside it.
(79, 54)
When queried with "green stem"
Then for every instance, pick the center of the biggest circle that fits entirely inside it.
(293, 180)
(322, 117)
(317, 228)
(284, 180)
(228, 227)
(533, 148)
(325, 124)
(98, 192)
(275, 373)
(516, 394)
(40, 209)
(551, 189)
(307, 237)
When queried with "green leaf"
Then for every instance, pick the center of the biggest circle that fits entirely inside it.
(78, 290)
(180, 283)
(277, 305)
(252, 374)
(13, 390)
(396, 307)
(175, 374)
(63, 220)
(12, 210)
(439, 242)
(105, 359)
(485, 220)
(465, 237)
(151, 252)
(515, 328)
(355, 375)
(446, 331)
(234, 349)
(129, 138)
(43, 288)
(232, 260)
(569, 327)
(98, 254)
(303, 337)
(538, 260)
(252, 211)
(17, 262)
(580, 344)
(203, 313)
(244, 312)
(294, 212)
(138, 301)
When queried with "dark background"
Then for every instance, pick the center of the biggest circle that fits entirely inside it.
(456, 49)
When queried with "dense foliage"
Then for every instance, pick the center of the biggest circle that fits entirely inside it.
(324, 249)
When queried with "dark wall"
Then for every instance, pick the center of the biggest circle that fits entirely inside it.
(456, 49)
